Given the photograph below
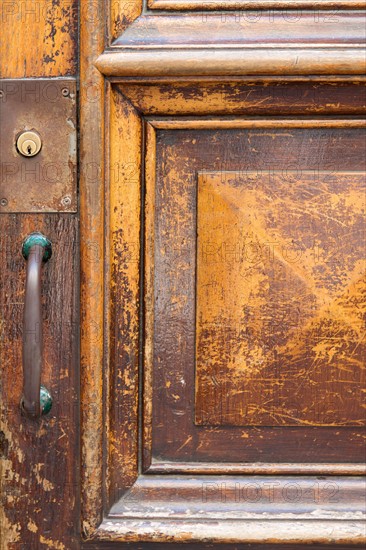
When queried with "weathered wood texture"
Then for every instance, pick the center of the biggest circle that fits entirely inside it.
(180, 155)
(121, 15)
(247, 96)
(183, 546)
(216, 531)
(125, 154)
(280, 297)
(213, 45)
(94, 480)
(232, 509)
(254, 29)
(39, 462)
(39, 38)
(175, 150)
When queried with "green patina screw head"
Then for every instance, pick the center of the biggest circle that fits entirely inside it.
(45, 400)
(37, 238)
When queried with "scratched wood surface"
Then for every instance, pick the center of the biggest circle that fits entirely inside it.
(39, 460)
(124, 293)
(39, 466)
(39, 38)
(91, 185)
(180, 155)
(247, 96)
(121, 15)
(280, 298)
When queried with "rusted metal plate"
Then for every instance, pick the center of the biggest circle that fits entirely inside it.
(46, 182)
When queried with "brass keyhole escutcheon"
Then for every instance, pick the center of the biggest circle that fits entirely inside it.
(29, 143)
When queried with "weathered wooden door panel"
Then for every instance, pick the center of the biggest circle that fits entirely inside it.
(188, 187)
(235, 338)
(221, 211)
(39, 459)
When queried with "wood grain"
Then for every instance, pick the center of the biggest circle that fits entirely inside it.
(207, 546)
(123, 305)
(254, 532)
(228, 31)
(208, 62)
(177, 160)
(92, 158)
(39, 458)
(279, 307)
(121, 15)
(180, 154)
(267, 98)
(39, 38)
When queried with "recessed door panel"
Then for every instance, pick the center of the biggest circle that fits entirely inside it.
(279, 298)
(256, 281)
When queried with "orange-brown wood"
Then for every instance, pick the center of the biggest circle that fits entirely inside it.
(123, 306)
(265, 97)
(174, 226)
(180, 103)
(168, 443)
(284, 7)
(121, 15)
(39, 38)
(279, 297)
(92, 170)
(39, 460)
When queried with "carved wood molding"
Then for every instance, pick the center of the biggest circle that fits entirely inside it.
(241, 5)
(220, 45)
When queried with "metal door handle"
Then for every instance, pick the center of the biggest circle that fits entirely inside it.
(36, 399)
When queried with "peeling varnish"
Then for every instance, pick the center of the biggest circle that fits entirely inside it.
(45, 483)
(333, 301)
(54, 544)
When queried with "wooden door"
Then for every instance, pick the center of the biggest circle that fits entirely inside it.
(39, 459)
(221, 210)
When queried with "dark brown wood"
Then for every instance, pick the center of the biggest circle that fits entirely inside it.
(265, 97)
(175, 435)
(39, 461)
(175, 150)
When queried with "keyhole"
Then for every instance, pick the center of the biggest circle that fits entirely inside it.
(29, 144)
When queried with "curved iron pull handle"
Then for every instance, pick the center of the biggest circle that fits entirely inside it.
(36, 399)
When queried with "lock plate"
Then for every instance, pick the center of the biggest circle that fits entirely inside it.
(47, 181)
